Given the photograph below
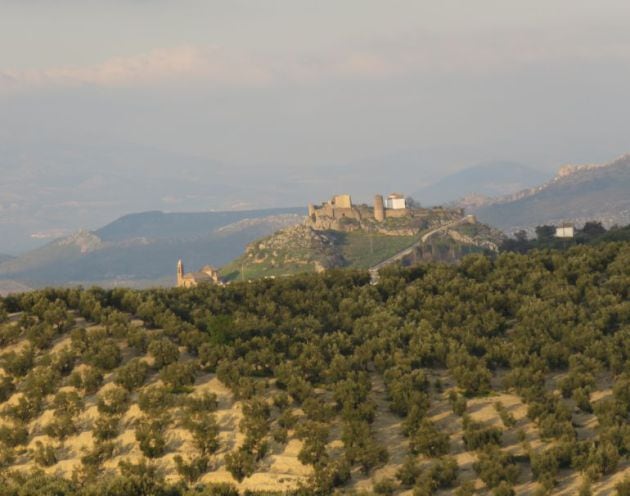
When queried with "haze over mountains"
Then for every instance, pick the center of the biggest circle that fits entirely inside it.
(51, 190)
(487, 179)
(142, 249)
(577, 194)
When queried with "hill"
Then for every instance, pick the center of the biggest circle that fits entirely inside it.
(504, 376)
(489, 179)
(577, 194)
(142, 249)
(305, 248)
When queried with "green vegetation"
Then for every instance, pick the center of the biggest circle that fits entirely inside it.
(362, 250)
(591, 233)
(430, 363)
(302, 249)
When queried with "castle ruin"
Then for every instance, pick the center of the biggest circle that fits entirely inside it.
(340, 207)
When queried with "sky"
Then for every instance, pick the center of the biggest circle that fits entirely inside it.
(284, 88)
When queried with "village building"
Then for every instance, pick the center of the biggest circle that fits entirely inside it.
(565, 231)
(207, 275)
(396, 201)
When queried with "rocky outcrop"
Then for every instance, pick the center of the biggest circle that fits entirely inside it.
(577, 194)
(296, 245)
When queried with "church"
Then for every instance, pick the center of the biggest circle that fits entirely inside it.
(207, 275)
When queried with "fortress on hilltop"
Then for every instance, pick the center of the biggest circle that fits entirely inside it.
(340, 214)
(207, 275)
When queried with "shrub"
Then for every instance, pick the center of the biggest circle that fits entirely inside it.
(429, 441)
(40, 381)
(100, 452)
(104, 354)
(192, 469)
(216, 489)
(61, 426)
(503, 489)
(385, 486)
(13, 435)
(106, 427)
(113, 401)
(204, 402)
(89, 380)
(18, 364)
(495, 466)
(240, 464)
(623, 487)
(409, 472)
(205, 432)
(155, 399)
(506, 417)
(150, 436)
(458, 403)
(7, 388)
(163, 351)
(44, 454)
(138, 339)
(132, 375)
(7, 457)
(63, 361)
(179, 375)
(25, 409)
(477, 436)
(68, 402)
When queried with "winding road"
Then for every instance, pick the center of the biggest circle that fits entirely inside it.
(409, 250)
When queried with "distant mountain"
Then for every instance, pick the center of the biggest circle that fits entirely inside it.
(140, 250)
(50, 190)
(486, 180)
(5, 258)
(577, 194)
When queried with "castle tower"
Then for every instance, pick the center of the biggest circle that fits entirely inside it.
(180, 273)
(379, 208)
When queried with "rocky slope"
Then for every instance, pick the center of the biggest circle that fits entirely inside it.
(307, 249)
(577, 194)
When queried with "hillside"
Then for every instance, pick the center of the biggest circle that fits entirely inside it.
(486, 180)
(492, 376)
(305, 248)
(141, 250)
(576, 194)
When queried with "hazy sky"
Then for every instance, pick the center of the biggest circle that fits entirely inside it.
(296, 83)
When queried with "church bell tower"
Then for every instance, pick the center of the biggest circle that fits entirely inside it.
(180, 273)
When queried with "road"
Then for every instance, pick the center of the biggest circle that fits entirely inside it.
(409, 250)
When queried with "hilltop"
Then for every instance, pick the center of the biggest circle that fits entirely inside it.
(351, 236)
(495, 376)
(577, 194)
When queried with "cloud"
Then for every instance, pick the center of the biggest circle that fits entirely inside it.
(380, 59)
(212, 65)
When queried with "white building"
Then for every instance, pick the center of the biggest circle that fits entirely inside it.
(565, 231)
(395, 201)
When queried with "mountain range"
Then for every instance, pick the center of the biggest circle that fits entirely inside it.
(577, 194)
(142, 249)
(489, 179)
(49, 190)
